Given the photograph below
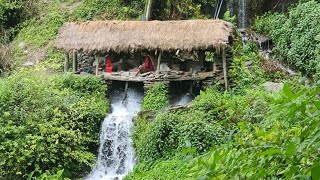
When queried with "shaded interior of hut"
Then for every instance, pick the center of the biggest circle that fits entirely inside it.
(178, 62)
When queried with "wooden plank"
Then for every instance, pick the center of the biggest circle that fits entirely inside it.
(195, 77)
(225, 74)
(159, 59)
(74, 62)
(66, 62)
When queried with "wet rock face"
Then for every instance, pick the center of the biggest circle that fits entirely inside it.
(246, 10)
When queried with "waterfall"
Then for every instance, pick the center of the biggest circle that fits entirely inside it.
(242, 14)
(148, 10)
(183, 100)
(116, 154)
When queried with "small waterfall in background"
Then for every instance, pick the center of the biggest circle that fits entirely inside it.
(183, 100)
(242, 14)
(116, 154)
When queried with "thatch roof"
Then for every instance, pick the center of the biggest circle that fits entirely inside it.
(124, 36)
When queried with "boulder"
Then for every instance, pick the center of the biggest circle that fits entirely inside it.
(273, 87)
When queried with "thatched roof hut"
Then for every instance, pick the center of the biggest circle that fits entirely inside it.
(125, 36)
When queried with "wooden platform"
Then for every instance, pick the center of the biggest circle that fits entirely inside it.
(160, 76)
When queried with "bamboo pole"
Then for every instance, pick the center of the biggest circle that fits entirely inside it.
(66, 62)
(224, 61)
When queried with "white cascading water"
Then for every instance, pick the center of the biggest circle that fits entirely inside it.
(116, 154)
(242, 14)
(183, 100)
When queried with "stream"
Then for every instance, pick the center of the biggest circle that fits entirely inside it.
(116, 155)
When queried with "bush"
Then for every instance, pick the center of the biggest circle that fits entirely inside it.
(284, 144)
(47, 126)
(112, 9)
(294, 36)
(245, 69)
(156, 98)
(172, 132)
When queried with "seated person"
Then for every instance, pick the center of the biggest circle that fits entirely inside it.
(110, 67)
(147, 66)
(108, 63)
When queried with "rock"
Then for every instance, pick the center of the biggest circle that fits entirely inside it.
(248, 63)
(28, 64)
(273, 87)
(146, 74)
(83, 73)
(164, 67)
(180, 72)
(171, 76)
(115, 74)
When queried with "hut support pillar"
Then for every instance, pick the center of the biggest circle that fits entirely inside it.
(214, 65)
(214, 69)
(66, 62)
(75, 62)
(224, 61)
(97, 64)
(159, 60)
(191, 87)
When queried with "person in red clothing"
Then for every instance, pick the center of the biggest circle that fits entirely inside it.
(147, 65)
(108, 63)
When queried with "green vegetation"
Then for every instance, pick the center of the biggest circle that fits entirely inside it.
(49, 123)
(112, 9)
(294, 36)
(156, 98)
(273, 136)
(245, 133)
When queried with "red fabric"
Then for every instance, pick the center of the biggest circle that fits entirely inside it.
(108, 64)
(148, 64)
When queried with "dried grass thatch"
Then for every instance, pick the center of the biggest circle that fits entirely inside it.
(125, 36)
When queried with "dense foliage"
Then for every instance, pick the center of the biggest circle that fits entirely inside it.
(294, 36)
(49, 123)
(156, 98)
(270, 136)
(112, 9)
(182, 9)
(169, 132)
(12, 13)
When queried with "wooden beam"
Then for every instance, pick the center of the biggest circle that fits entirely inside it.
(159, 60)
(66, 62)
(97, 64)
(225, 74)
(75, 62)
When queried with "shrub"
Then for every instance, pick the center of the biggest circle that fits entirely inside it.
(284, 145)
(47, 126)
(294, 36)
(112, 9)
(171, 132)
(156, 98)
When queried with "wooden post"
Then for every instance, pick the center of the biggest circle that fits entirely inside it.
(191, 87)
(224, 61)
(159, 60)
(66, 62)
(75, 62)
(97, 65)
(214, 65)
